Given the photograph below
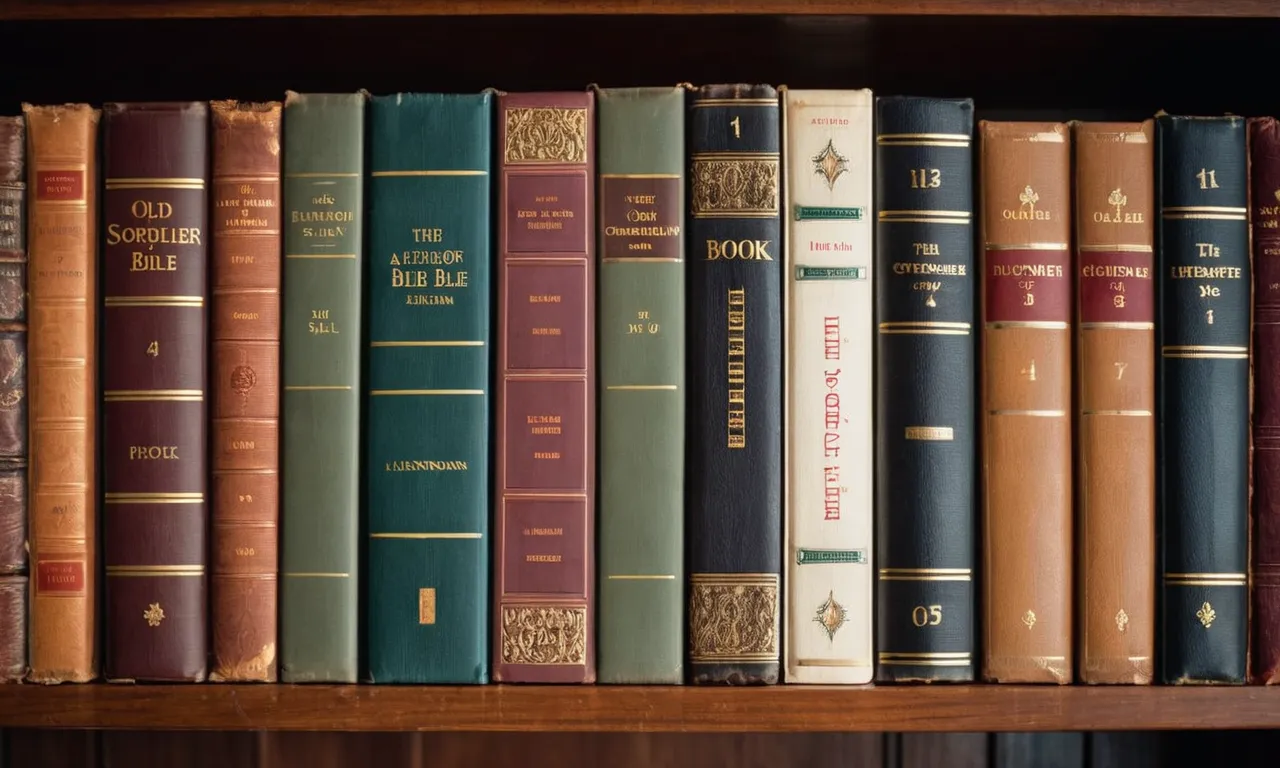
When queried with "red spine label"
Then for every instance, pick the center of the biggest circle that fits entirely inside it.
(1116, 287)
(60, 186)
(1028, 285)
(60, 577)
(641, 218)
(545, 213)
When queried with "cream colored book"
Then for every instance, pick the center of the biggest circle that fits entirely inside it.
(827, 385)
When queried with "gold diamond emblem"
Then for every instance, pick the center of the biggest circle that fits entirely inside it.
(154, 615)
(1029, 618)
(1122, 620)
(831, 615)
(1206, 615)
(830, 164)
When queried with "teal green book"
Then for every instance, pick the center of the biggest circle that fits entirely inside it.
(642, 394)
(321, 338)
(428, 397)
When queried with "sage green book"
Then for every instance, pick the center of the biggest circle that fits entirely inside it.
(642, 399)
(323, 266)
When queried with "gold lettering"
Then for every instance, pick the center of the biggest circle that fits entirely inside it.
(424, 465)
(737, 368)
(926, 178)
(740, 250)
(153, 452)
(320, 323)
(546, 332)
(1208, 178)
(547, 455)
(242, 445)
(544, 298)
(542, 558)
(930, 616)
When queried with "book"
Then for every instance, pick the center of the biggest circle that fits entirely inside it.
(322, 335)
(154, 377)
(926, 382)
(1115, 404)
(828, 382)
(545, 436)
(428, 387)
(62, 392)
(13, 400)
(1026, 402)
(245, 396)
(733, 470)
(1203, 398)
(642, 393)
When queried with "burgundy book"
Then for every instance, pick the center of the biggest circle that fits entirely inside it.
(546, 413)
(13, 402)
(155, 210)
(1264, 218)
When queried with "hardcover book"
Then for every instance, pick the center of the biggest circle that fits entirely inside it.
(155, 468)
(926, 436)
(13, 401)
(428, 405)
(827, 374)
(733, 473)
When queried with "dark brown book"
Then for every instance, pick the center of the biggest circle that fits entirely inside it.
(245, 389)
(13, 401)
(155, 210)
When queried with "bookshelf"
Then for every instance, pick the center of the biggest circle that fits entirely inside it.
(1017, 58)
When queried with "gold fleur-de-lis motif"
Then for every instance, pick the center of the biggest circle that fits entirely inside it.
(1029, 618)
(1029, 198)
(1122, 620)
(1206, 615)
(1117, 199)
(154, 615)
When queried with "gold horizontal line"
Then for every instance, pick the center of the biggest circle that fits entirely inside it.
(641, 260)
(1201, 348)
(319, 255)
(922, 324)
(1204, 583)
(1046, 413)
(148, 392)
(400, 392)
(640, 176)
(926, 655)
(1114, 412)
(152, 179)
(917, 220)
(1046, 325)
(316, 575)
(122, 302)
(319, 175)
(1025, 246)
(736, 155)
(762, 102)
(1206, 355)
(741, 658)
(155, 570)
(923, 332)
(642, 387)
(735, 214)
(925, 143)
(1236, 576)
(926, 662)
(157, 185)
(928, 212)
(317, 388)
(426, 343)
(940, 136)
(642, 577)
(1203, 216)
(428, 173)
(1115, 248)
(547, 495)
(109, 299)
(1117, 326)
(1204, 209)
(426, 535)
(895, 577)
(232, 178)
(953, 571)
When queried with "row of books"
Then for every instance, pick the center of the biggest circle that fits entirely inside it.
(741, 427)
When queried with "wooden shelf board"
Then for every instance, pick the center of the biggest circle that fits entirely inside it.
(140, 9)
(638, 708)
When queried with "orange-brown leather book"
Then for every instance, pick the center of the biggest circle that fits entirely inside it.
(1026, 401)
(1116, 392)
(245, 388)
(62, 286)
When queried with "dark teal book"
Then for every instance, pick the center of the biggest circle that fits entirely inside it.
(428, 399)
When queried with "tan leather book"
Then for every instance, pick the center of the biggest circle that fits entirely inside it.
(1116, 392)
(62, 283)
(1026, 401)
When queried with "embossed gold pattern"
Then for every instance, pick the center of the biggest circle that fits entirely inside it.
(1206, 615)
(544, 634)
(546, 135)
(728, 185)
(154, 615)
(733, 617)
(1029, 618)
(1122, 620)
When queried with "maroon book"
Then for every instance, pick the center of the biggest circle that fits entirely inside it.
(154, 327)
(546, 413)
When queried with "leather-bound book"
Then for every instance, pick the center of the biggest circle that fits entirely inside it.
(642, 370)
(154, 329)
(828, 380)
(1026, 401)
(1202, 390)
(1115, 400)
(926, 378)
(245, 390)
(544, 553)
(13, 401)
(428, 407)
(733, 475)
(1264, 183)
(322, 338)
(62, 391)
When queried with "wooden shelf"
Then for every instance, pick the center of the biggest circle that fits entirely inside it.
(206, 9)
(637, 709)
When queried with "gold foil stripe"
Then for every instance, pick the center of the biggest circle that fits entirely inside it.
(1206, 355)
(640, 176)
(1204, 209)
(734, 578)
(1025, 246)
(265, 178)
(642, 577)
(152, 394)
(926, 662)
(923, 324)
(925, 143)
(317, 388)
(697, 103)
(930, 434)
(316, 575)
(424, 392)
(916, 220)
(1201, 348)
(1117, 326)
(913, 136)
(924, 577)
(924, 332)
(925, 655)
(642, 387)
(1044, 413)
(1044, 325)
(426, 535)
(319, 255)
(1115, 412)
(930, 571)
(1204, 216)
(737, 215)
(393, 174)
(153, 301)
(731, 155)
(1228, 576)
(943, 213)
(641, 260)
(748, 658)
(426, 343)
(1115, 248)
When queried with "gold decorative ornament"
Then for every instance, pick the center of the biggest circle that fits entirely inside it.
(544, 634)
(1029, 618)
(154, 615)
(1206, 615)
(546, 135)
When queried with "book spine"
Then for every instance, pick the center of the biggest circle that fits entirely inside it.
(322, 338)
(1264, 182)
(1026, 401)
(428, 404)
(544, 561)
(62, 393)
(642, 393)
(13, 401)
(1203, 397)
(155, 468)
(926, 381)
(245, 488)
(827, 372)
(1115, 385)
(733, 475)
